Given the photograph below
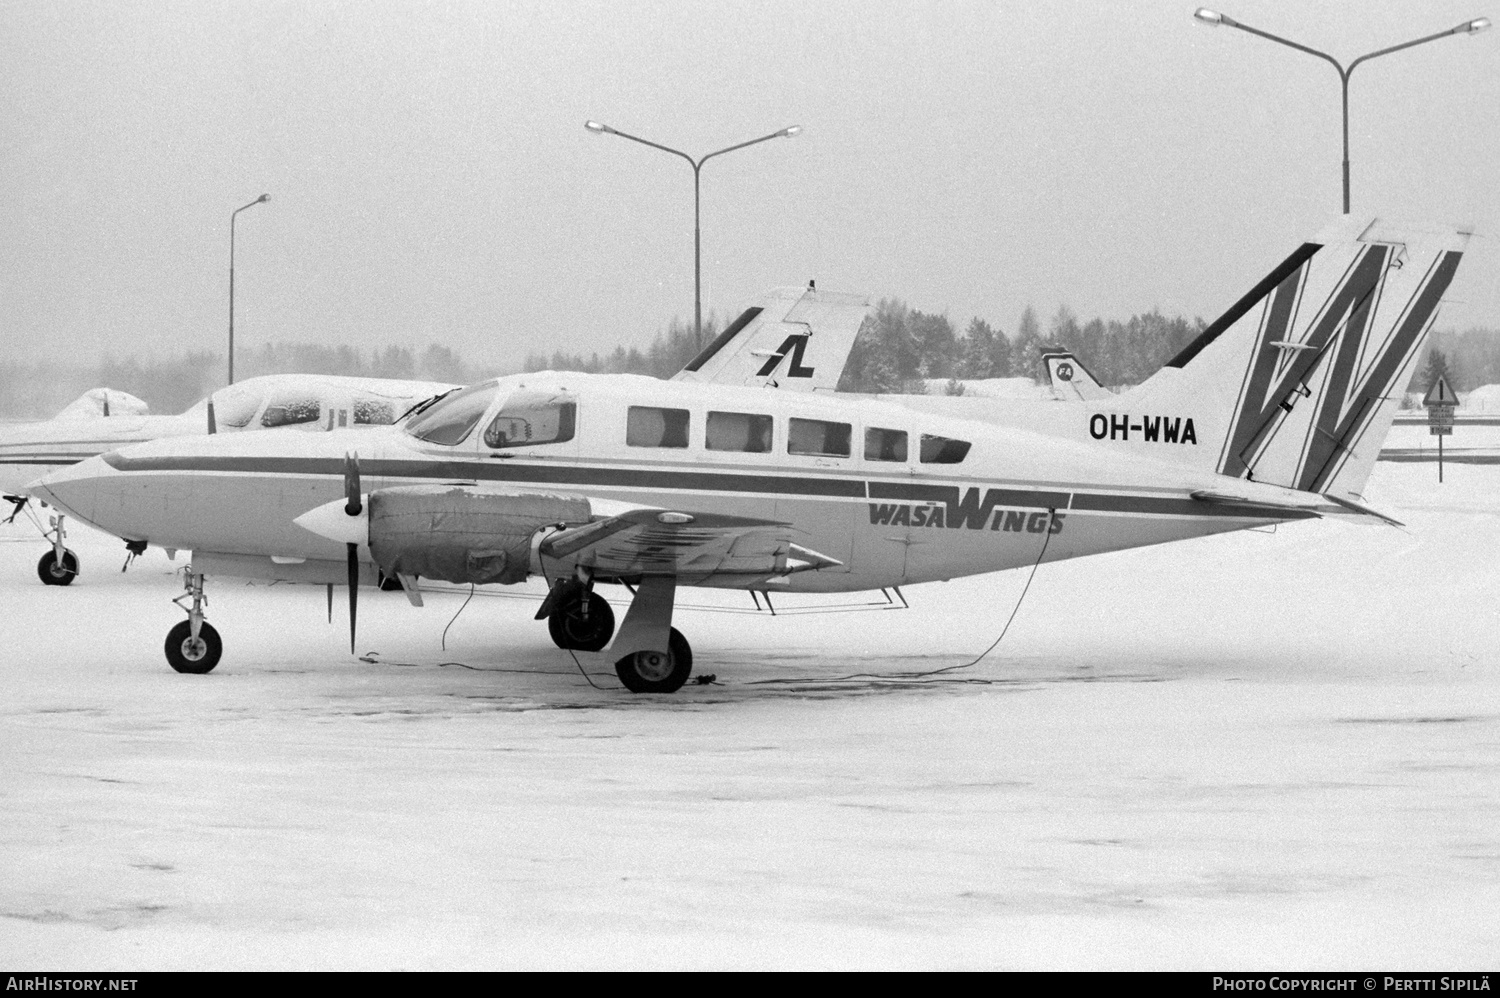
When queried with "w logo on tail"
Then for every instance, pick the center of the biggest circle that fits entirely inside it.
(1309, 398)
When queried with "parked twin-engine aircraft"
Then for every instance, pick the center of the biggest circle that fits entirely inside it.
(103, 419)
(1275, 412)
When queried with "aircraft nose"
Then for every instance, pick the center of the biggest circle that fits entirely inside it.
(73, 489)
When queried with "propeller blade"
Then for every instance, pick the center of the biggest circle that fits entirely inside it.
(353, 591)
(352, 504)
(330, 602)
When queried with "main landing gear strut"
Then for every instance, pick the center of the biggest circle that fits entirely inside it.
(193, 645)
(653, 656)
(577, 617)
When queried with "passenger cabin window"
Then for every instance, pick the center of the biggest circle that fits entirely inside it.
(646, 426)
(814, 436)
(943, 450)
(529, 417)
(738, 431)
(290, 410)
(374, 412)
(884, 445)
(449, 420)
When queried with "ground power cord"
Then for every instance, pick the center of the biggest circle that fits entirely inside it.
(927, 676)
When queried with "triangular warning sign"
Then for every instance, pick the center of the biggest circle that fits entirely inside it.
(1440, 394)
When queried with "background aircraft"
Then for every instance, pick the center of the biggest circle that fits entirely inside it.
(103, 419)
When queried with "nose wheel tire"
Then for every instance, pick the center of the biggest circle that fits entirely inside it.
(655, 672)
(193, 656)
(57, 573)
(570, 628)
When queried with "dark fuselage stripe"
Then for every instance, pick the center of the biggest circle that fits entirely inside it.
(634, 478)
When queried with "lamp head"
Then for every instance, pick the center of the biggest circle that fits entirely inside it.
(789, 132)
(597, 128)
(1212, 18)
(1472, 27)
(263, 197)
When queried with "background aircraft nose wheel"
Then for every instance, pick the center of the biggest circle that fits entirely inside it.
(196, 656)
(53, 572)
(653, 672)
(570, 627)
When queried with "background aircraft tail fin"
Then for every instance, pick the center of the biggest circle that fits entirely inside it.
(1296, 385)
(796, 339)
(1071, 381)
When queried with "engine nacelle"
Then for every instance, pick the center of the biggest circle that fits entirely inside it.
(454, 534)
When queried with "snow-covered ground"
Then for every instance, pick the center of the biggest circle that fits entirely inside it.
(1274, 750)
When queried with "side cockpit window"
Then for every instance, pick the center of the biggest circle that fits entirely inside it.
(530, 417)
(646, 426)
(943, 450)
(290, 409)
(374, 412)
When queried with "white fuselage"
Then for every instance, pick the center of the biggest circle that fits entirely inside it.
(232, 500)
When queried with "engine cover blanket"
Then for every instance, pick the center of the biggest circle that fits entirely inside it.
(453, 534)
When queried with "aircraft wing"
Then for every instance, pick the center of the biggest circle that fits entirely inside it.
(690, 547)
(796, 339)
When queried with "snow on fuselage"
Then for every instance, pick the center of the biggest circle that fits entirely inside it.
(895, 494)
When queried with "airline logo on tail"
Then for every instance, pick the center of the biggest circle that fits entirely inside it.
(1341, 366)
(793, 345)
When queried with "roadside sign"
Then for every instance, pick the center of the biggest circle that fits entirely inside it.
(1440, 402)
(1440, 394)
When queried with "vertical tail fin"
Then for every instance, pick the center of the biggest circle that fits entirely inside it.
(1071, 381)
(1296, 385)
(795, 339)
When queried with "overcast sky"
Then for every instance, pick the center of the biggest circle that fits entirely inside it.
(431, 179)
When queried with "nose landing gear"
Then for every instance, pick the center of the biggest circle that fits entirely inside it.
(193, 646)
(59, 566)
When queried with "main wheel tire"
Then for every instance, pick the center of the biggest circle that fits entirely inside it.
(196, 657)
(389, 583)
(54, 574)
(653, 672)
(569, 628)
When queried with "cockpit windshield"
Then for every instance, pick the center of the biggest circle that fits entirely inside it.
(236, 405)
(450, 420)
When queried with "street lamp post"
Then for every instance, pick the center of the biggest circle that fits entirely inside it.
(1213, 19)
(697, 166)
(252, 204)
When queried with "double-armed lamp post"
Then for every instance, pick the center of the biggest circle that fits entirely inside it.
(697, 165)
(1214, 19)
(252, 204)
